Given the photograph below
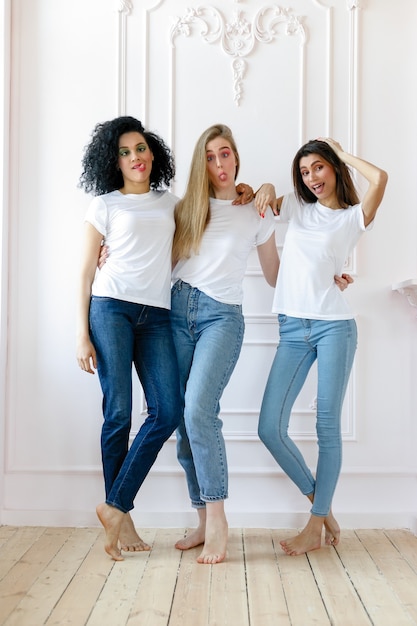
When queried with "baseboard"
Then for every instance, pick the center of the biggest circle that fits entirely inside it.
(236, 519)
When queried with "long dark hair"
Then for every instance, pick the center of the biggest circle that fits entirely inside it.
(100, 173)
(345, 188)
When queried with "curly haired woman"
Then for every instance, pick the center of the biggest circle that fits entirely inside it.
(124, 310)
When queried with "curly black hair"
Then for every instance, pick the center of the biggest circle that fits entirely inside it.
(100, 172)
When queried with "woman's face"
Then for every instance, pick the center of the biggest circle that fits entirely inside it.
(320, 178)
(221, 167)
(135, 162)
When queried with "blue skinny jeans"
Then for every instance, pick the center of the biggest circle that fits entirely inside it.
(126, 334)
(302, 341)
(208, 337)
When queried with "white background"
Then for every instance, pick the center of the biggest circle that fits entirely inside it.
(311, 67)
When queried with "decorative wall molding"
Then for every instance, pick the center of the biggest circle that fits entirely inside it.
(407, 288)
(239, 36)
(257, 318)
(350, 4)
(170, 470)
(238, 39)
(124, 8)
(63, 458)
(353, 80)
(350, 264)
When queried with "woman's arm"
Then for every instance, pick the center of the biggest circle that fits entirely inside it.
(269, 260)
(86, 354)
(377, 179)
(266, 197)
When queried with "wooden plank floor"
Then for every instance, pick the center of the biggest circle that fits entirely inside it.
(63, 576)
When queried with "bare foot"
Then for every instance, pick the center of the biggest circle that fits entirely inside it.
(129, 539)
(111, 518)
(215, 544)
(195, 538)
(309, 538)
(332, 530)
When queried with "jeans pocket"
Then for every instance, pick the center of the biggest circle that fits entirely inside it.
(176, 287)
(102, 299)
(281, 319)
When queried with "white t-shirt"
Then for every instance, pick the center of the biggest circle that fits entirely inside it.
(219, 267)
(138, 229)
(317, 244)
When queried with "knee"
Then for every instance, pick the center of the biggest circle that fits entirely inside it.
(329, 442)
(115, 432)
(170, 420)
(273, 438)
(329, 437)
(117, 420)
(265, 433)
(197, 414)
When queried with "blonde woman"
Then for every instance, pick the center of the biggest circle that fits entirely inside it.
(212, 242)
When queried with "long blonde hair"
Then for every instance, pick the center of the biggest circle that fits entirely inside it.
(192, 213)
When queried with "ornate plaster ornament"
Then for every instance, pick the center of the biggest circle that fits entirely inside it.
(124, 6)
(238, 36)
(407, 288)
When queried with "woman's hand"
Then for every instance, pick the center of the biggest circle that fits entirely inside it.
(86, 355)
(245, 194)
(333, 144)
(104, 253)
(376, 177)
(343, 281)
(266, 197)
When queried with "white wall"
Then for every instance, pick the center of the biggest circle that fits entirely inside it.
(329, 67)
(4, 122)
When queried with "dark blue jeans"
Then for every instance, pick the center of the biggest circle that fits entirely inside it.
(125, 333)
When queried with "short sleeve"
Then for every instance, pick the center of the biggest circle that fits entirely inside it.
(267, 227)
(288, 206)
(97, 215)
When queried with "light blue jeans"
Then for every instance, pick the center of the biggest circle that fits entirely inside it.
(208, 337)
(302, 341)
